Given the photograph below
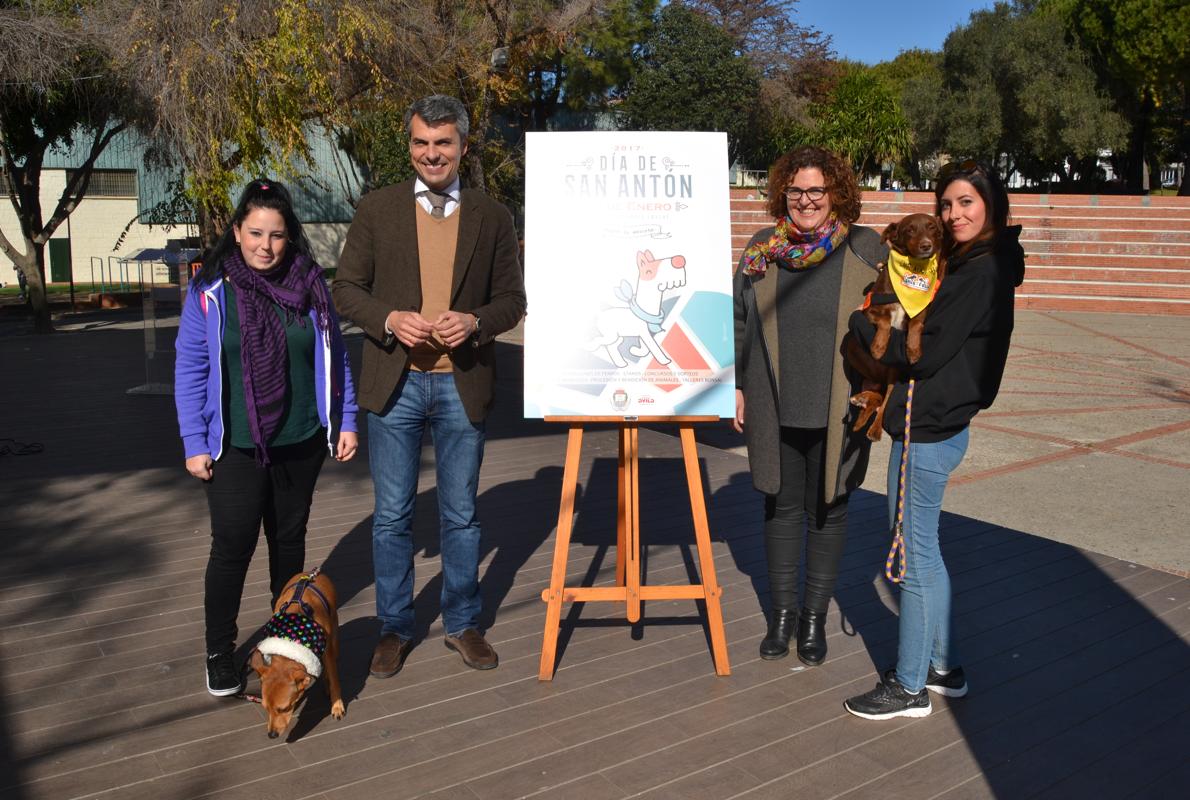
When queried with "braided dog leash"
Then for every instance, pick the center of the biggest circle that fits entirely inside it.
(898, 543)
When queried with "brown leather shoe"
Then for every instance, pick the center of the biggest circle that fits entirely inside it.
(389, 656)
(474, 649)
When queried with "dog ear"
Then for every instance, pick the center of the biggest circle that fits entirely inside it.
(259, 661)
(301, 679)
(889, 234)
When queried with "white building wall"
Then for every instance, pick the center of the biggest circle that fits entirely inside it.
(93, 230)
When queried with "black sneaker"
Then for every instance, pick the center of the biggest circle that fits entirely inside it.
(889, 699)
(952, 684)
(222, 678)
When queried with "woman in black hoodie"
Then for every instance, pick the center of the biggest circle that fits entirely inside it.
(964, 348)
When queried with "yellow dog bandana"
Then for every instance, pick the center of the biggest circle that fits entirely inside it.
(915, 280)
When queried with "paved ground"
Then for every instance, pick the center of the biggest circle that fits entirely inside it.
(1067, 556)
(1088, 442)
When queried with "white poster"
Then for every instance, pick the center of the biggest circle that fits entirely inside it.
(628, 275)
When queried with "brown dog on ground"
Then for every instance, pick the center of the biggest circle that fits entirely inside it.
(917, 267)
(302, 641)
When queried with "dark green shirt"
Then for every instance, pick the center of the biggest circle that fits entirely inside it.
(300, 419)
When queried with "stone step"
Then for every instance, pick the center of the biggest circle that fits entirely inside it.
(1083, 252)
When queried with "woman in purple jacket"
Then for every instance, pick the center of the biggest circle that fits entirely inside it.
(263, 391)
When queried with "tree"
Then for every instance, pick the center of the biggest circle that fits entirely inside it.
(691, 78)
(863, 122)
(580, 57)
(513, 63)
(915, 79)
(1139, 51)
(235, 87)
(764, 30)
(1013, 88)
(56, 91)
(795, 63)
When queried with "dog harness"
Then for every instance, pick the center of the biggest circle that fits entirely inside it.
(297, 635)
(914, 280)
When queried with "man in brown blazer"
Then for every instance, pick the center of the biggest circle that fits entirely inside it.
(432, 274)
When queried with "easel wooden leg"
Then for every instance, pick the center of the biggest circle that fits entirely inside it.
(621, 508)
(629, 589)
(706, 560)
(553, 595)
(632, 522)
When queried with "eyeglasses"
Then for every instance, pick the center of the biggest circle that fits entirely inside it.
(968, 167)
(814, 193)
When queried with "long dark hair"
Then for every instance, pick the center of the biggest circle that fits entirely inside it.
(261, 193)
(991, 190)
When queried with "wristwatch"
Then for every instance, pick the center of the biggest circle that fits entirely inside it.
(475, 333)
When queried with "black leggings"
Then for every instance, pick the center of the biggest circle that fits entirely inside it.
(799, 504)
(241, 495)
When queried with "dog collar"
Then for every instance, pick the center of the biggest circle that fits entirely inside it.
(915, 280)
(625, 292)
(296, 637)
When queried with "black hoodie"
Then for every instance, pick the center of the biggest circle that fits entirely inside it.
(964, 342)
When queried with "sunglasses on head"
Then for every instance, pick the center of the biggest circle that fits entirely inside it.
(968, 167)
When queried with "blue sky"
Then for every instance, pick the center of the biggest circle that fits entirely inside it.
(872, 31)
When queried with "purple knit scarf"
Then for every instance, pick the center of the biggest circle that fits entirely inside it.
(295, 285)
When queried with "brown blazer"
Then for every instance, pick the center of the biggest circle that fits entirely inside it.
(379, 272)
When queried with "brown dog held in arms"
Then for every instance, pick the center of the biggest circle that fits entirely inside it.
(914, 270)
(299, 645)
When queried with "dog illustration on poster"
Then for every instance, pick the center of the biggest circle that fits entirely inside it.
(642, 315)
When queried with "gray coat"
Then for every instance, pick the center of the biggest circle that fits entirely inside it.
(757, 360)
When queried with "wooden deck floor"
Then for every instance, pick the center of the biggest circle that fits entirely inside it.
(1078, 663)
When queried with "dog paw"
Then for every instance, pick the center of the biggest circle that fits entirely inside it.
(338, 710)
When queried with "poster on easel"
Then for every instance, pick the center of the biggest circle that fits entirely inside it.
(628, 275)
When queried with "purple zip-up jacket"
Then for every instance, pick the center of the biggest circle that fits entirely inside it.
(198, 375)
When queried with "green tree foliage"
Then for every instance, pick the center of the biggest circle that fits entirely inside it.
(1012, 86)
(585, 65)
(915, 79)
(862, 121)
(56, 91)
(235, 86)
(795, 63)
(513, 63)
(1139, 51)
(692, 78)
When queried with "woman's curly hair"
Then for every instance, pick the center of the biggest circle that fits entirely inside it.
(840, 181)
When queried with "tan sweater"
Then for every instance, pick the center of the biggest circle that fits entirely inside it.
(436, 242)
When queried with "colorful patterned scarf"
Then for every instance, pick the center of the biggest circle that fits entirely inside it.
(793, 249)
(295, 285)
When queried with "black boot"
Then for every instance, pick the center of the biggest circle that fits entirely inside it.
(811, 637)
(781, 628)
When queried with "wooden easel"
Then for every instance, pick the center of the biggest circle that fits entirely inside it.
(628, 588)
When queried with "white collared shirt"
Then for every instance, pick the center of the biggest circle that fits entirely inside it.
(451, 204)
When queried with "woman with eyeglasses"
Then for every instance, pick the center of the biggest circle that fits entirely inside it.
(795, 287)
(964, 349)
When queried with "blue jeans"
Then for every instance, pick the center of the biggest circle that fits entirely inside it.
(925, 592)
(394, 447)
